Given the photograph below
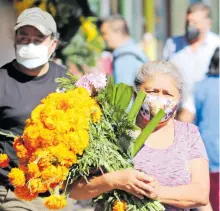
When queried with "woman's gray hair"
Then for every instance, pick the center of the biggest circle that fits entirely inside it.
(149, 69)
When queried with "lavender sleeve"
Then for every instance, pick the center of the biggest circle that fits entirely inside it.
(196, 145)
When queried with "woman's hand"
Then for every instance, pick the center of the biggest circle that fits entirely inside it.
(156, 189)
(134, 182)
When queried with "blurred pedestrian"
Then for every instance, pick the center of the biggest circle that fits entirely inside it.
(206, 95)
(127, 57)
(192, 52)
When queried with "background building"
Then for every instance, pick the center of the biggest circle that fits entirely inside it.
(161, 18)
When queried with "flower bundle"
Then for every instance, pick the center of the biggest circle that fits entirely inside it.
(79, 133)
(56, 133)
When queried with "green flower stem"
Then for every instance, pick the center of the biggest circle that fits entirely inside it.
(146, 132)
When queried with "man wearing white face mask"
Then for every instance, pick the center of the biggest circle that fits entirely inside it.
(23, 83)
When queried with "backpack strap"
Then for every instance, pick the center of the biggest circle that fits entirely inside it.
(129, 54)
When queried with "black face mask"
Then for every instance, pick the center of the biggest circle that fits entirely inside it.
(192, 33)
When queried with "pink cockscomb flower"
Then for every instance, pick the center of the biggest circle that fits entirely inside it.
(92, 82)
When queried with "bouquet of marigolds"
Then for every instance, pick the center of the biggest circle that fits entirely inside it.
(82, 131)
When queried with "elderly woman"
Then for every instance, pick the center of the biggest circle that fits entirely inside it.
(173, 161)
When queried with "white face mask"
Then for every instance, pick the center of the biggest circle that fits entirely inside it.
(32, 56)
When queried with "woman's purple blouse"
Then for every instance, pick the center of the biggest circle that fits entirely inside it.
(170, 166)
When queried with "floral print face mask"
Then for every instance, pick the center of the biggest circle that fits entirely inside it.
(152, 104)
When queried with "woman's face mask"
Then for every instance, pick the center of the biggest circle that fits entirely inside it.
(32, 56)
(152, 105)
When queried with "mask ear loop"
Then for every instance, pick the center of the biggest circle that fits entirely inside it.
(51, 43)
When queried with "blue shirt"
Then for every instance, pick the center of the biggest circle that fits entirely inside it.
(206, 96)
(126, 67)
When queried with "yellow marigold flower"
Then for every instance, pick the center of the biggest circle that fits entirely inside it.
(4, 160)
(33, 170)
(52, 9)
(62, 173)
(56, 120)
(52, 98)
(64, 104)
(35, 114)
(16, 177)
(80, 121)
(46, 138)
(39, 153)
(43, 158)
(22, 5)
(27, 122)
(30, 136)
(43, 5)
(24, 193)
(36, 136)
(63, 155)
(48, 173)
(36, 186)
(44, 163)
(78, 140)
(89, 28)
(80, 93)
(55, 202)
(96, 113)
(54, 174)
(119, 206)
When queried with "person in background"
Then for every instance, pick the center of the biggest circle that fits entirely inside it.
(192, 52)
(24, 82)
(127, 57)
(206, 97)
(173, 162)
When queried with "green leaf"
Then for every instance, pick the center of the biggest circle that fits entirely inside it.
(68, 82)
(115, 87)
(146, 132)
(109, 88)
(136, 106)
(9, 135)
(123, 96)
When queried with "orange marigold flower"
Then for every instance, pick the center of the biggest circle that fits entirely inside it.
(36, 186)
(44, 163)
(55, 202)
(22, 153)
(23, 167)
(24, 193)
(30, 136)
(54, 174)
(16, 177)
(4, 160)
(119, 206)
